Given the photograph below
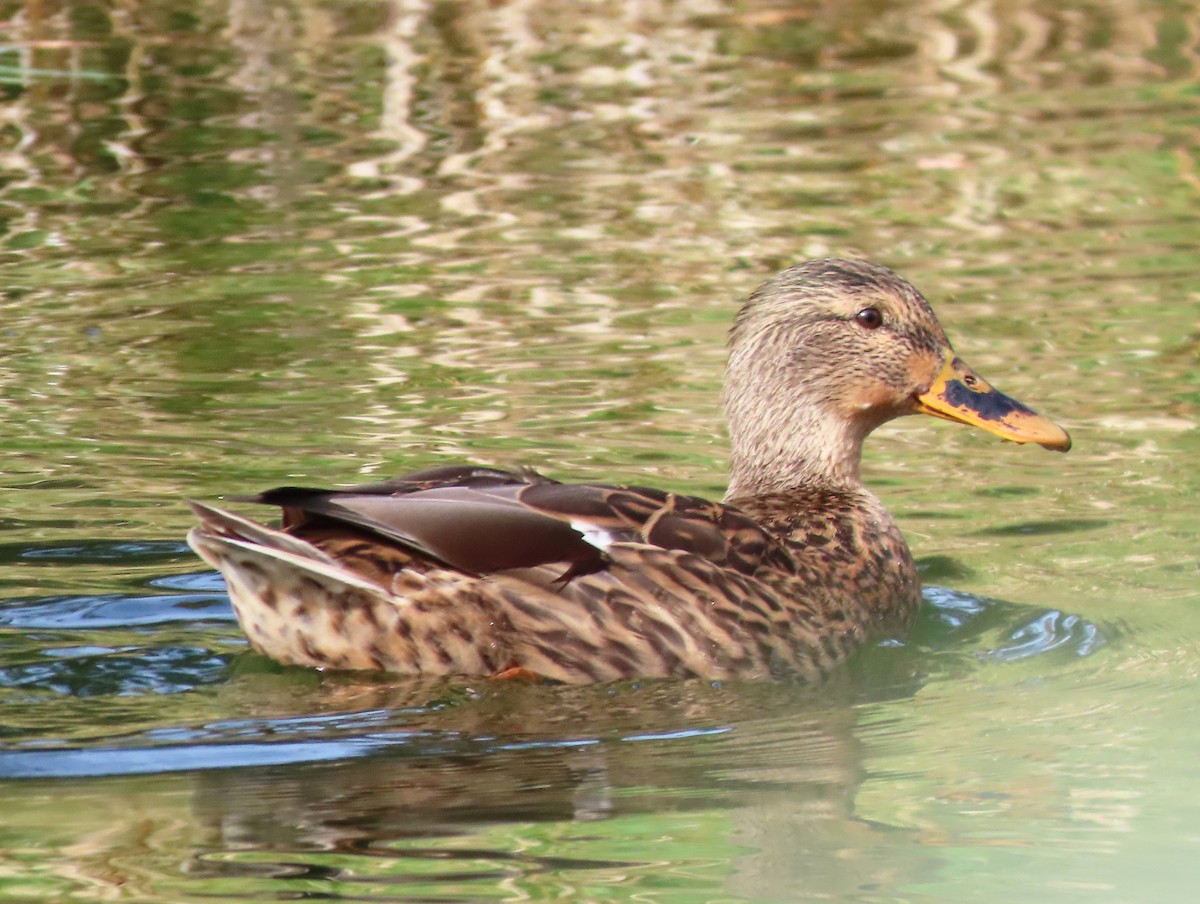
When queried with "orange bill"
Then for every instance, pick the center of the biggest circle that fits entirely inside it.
(959, 394)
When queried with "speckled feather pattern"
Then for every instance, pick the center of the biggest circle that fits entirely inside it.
(688, 588)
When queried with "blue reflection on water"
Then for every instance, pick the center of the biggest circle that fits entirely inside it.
(114, 611)
(1007, 632)
(109, 761)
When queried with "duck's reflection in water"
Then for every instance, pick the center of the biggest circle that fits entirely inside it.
(770, 770)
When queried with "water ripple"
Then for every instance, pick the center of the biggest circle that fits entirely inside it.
(114, 611)
(955, 621)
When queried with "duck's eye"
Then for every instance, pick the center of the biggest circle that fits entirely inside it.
(869, 318)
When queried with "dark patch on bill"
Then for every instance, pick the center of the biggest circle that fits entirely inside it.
(991, 406)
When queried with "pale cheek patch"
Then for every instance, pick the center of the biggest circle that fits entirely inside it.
(924, 371)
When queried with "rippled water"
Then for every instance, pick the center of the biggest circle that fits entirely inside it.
(262, 243)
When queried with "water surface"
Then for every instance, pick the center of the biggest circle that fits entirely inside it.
(261, 243)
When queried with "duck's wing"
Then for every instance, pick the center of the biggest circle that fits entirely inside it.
(482, 520)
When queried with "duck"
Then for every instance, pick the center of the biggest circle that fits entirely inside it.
(474, 571)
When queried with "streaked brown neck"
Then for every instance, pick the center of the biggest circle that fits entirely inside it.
(775, 451)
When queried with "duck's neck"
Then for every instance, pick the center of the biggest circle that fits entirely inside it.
(813, 452)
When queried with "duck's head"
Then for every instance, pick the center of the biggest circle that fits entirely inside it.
(827, 351)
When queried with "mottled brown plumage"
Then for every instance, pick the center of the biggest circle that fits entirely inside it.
(476, 571)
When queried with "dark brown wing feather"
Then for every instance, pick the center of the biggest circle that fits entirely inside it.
(483, 520)
(466, 518)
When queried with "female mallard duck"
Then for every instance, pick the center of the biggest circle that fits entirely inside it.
(465, 570)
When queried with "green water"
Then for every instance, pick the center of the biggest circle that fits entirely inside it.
(262, 243)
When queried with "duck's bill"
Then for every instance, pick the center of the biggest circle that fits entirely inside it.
(959, 394)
